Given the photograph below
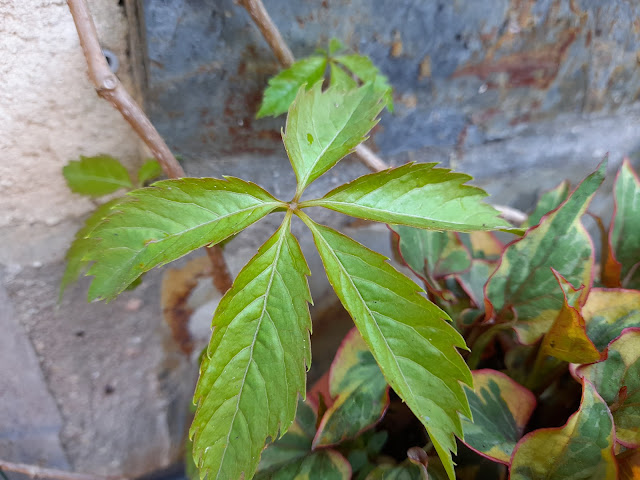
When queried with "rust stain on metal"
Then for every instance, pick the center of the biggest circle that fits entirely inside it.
(396, 45)
(425, 68)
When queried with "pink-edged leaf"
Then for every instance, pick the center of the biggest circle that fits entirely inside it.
(581, 449)
(617, 380)
(501, 409)
(524, 282)
(548, 201)
(359, 392)
(607, 312)
(624, 234)
(567, 338)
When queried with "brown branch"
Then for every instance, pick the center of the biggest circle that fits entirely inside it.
(222, 279)
(283, 53)
(109, 87)
(33, 471)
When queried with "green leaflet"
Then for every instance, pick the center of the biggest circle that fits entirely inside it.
(501, 409)
(283, 88)
(432, 255)
(582, 449)
(149, 170)
(76, 264)
(617, 380)
(624, 234)
(96, 176)
(155, 225)
(359, 390)
(341, 79)
(366, 71)
(548, 201)
(256, 361)
(323, 127)
(609, 311)
(406, 333)
(524, 281)
(416, 195)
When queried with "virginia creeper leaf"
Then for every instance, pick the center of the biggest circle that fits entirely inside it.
(416, 195)
(524, 281)
(625, 227)
(155, 225)
(359, 390)
(96, 176)
(366, 71)
(76, 264)
(609, 311)
(323, 127)
(501, 409)
(548, 201)
(567, 338)
(582, 449)
(283, 88)
(149, 170)
(432, 255)
(256, 361)
(341, 79)
(335, 45)
(407, 334)
(617, 380)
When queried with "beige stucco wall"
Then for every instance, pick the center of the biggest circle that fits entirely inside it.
(49, 112)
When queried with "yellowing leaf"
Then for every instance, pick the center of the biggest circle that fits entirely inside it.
(501, 409)
(416, 195)
(256, 362)
(524, 282)
(155, 225)
(408, 335)
(582, 449)
(607, 312)
(96, 176)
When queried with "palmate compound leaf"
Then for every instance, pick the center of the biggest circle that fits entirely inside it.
(256, 361)
(624, 234)
(96, 176)
(582, 449)
(501, 409)
(617, 380)
(524, 281)
(283, 88)
(408, 335)
(416, 195)
(359, 390)
(323, 127)
(158, 224)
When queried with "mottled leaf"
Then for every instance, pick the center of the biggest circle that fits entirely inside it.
(548, 201)
(617, 380)
(581, 450)
(416, 195)
(407, 334)
(475, 278)
(431, 255)
(629, 464)
(524, 281)
(567, 338)
(256, 362)
(323, 127)
(283, 88)
(359, 392)
(624, 234)
(609, 311)
(96, 176)
(501, 409)
(150, 170)
(482, 245)
(366, 71)
(155, 225)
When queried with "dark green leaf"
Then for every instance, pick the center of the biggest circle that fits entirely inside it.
(155, 225)
(96, 176)
(283, 87)
(256, 362)
(407, 334)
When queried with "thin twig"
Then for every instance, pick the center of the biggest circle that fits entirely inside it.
(512, 215)
(109, 87)
(283, 53)
(33, 471)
